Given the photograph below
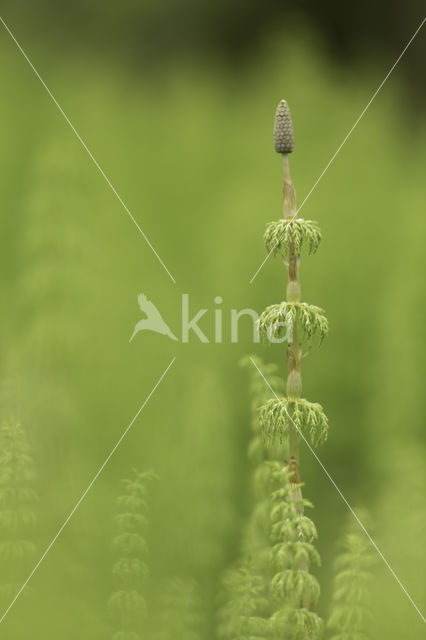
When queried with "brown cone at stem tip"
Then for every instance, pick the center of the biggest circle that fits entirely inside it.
(283, 129)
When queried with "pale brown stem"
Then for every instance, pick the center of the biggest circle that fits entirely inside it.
(294, 351)
(294, 356)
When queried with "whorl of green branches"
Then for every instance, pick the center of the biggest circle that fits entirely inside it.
(278, 321)
(243, 614)
(127, 605)
(351, 615)
(308, 417)
(293, 588)
(17, 505)
(300, 624)
(298, 583)
(292, 234)
(127, 571)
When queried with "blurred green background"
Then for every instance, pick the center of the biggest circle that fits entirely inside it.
(181, 123)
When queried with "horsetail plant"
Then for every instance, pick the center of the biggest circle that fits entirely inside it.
(293, 320)
(257, 544)
(294, 589)
(351, 616)
(18, 500)
(259, 394)
(245, 601)
(127, 604)
(296, 321)
(244, 612)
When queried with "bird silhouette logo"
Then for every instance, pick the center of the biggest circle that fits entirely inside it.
(153, 320)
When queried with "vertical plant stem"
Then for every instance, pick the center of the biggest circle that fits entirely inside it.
(294, 356)
(294, 380)
(293, 532)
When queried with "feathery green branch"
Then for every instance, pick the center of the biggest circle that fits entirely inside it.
(243, 614)
(180, 613)
(293, 588)
(17, 507)
(280, 322)
(351, 614)
(278, 415)
(283, 236)
(127, 605)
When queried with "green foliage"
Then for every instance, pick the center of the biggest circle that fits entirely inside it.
(259, 395)
(295, 233)
(180, 613)
(127, 605)
(308, 417)
(256, 543)
(294, 590)
(246, 602)
(279, 321)
(245, 609)
(256, 540)
(259, 391)
(297, 625)
(297, 583)
(18, 500)
(127, 571)
(351, 614)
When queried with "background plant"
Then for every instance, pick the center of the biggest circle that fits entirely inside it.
(256, 543)
(352, 612)
(18, 509)
(245, 603)
(179, 611)
(127, 604)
